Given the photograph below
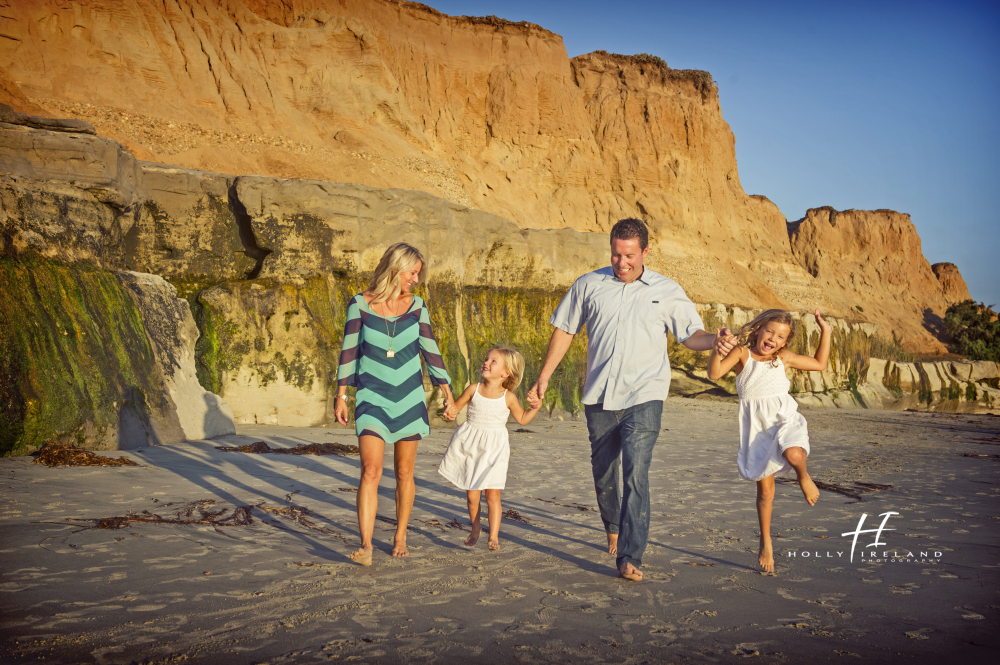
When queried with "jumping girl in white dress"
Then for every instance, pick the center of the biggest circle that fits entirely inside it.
(479, 451)
(773, 434)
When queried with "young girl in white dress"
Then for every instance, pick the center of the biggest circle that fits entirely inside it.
(477, 457)
(773, 434)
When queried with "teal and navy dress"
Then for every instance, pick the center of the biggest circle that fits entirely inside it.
(390, 398)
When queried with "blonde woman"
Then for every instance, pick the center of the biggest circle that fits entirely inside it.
(477, 457)
(387, 329)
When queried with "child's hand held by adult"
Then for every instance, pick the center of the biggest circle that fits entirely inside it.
(725, 342)
(820, 320)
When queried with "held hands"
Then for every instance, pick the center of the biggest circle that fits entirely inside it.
(537, 392)
(725, 341)
(450, 412)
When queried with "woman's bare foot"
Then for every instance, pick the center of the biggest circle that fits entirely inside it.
(612, 543)
(766, 557)
(809, 489)
(362, 556)
(399, 547)
(494, 545)
(474, 536)
(630, 572)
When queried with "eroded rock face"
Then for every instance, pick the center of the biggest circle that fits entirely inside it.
(172, 334)
(490, 115)
(487, 114)
(268, 266)
(870, 264)
(954, 287)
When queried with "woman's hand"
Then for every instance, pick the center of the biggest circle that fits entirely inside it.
(450, 412)
(340, 411)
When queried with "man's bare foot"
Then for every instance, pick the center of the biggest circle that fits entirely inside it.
(474, 536)
(630, 572)
(809, 489)
(494, 545)
(766, 557)
(399, 547)
(362, 556)
(612, 543)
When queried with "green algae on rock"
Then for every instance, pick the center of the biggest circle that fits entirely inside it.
(75, 362)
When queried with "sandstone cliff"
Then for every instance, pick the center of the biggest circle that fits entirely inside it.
(954, 287)
(870, 264)
(488, 114)
(267, 266)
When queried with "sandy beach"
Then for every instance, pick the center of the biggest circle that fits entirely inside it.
(279, 587)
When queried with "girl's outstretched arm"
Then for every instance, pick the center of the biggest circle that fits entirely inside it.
(818, 362)
(460, 403)
(520, 415)
(718, 366)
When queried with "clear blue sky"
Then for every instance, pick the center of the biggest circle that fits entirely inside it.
(861, 105)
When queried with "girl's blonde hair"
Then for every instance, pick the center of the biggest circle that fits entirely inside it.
(400, 257)
(513, 362)
(747, 335)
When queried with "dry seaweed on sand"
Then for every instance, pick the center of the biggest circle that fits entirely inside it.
(302, 516)
(261, 448)
(57, 453)
(196, 512)
(209, 512)
(516, 516)
(855, 492)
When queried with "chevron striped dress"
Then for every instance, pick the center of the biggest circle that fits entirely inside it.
(390, 397)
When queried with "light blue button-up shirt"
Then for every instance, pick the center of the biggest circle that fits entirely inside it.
(627, 325)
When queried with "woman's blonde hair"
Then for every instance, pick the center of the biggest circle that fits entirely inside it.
(400, 257)
(747, 335)
(513, 362)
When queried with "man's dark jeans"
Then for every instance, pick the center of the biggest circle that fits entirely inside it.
(631, 433)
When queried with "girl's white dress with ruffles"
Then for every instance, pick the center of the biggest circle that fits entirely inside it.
(479, 452)
(770, 421)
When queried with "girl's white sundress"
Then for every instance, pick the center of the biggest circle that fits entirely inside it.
(479, 451)
(770, 421)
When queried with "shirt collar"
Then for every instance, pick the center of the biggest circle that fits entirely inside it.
(645, 277)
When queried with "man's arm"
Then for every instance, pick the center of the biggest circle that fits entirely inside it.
(558, 346)
(700, 341)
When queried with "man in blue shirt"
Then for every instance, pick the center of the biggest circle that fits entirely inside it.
(627, 309)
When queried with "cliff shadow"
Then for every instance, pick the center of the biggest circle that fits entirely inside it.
(934, 324)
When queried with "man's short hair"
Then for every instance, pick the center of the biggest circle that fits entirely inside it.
(629, 228)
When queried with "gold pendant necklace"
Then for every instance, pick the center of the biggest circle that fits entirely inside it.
(390, 353)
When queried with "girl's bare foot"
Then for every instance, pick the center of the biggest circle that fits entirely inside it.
(474, 536)
(766, 557)
(630, 572)
(399, 547)
(809, 489)
(494, 545)
(362, 556)
(612, 543)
